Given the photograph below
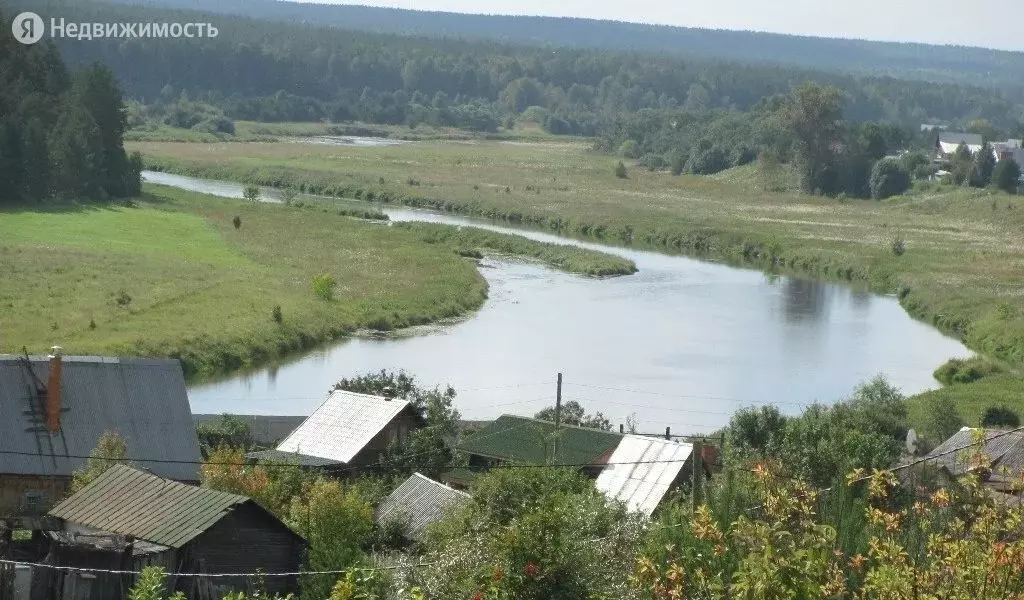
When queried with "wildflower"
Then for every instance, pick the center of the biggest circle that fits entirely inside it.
(530, 570)
(940, 498)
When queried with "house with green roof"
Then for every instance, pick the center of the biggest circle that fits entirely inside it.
(513, 439)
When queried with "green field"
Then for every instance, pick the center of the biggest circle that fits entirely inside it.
(963, 269)
(174, 277)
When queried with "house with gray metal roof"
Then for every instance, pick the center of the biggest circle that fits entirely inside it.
(54, 409)
(1003, 452)
(348, 432)
(419, 502)
(185, 529)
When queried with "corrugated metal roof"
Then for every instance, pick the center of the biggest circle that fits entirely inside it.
(641, 487)
(340, 427)
(419, 501)
(519, 439)
(128, 501)
(143, 400)
(1006, 450)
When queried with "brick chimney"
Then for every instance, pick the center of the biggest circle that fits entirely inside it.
(53, 391)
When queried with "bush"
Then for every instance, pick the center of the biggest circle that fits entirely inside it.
(653, 162)
(237, 221)
(288, 195)
(275, 314)
(707, 161)
(888, 178)
(942, 420)
(123, 299)
(1000, 416)
(620, 171)
(898, 246)
(323, 286)
(965, 371)
(678, 164)
(251, 193)
(629, 149)
(1007, 176)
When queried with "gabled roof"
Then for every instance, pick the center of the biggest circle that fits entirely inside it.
(642, 485)
(342, 426)
(127, 501)
(1003, 449)
(419, 501)
(291, 458)
(531, 441)
(143, 400)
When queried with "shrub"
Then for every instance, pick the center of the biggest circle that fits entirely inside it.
(1000, 416)
(942, 420)
(888, 178)
(150, 586)
(412, 181)
(237, 221)
(678, 164)
(288, 195)
(898, 246)
(323, 286)
(251, 193)
(620, 171)
(707, 161)
(123, 299)
(653, 162)
(1007, 176)
(275, 313)
(629, 149)
(92, 323)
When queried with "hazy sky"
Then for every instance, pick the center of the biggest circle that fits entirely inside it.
(987, 23)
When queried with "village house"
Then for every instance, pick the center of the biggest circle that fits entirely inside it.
(636, 470)
(948, 141)
(419, 502)
(54, 409)
(1004, 451)
(346, 434)
(148, 520)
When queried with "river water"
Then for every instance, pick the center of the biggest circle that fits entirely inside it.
(683, 343)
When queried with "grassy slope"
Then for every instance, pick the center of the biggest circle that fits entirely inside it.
(964, 252)
(203, 291)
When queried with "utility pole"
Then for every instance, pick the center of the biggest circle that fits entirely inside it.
(696, 485)
(558, 414)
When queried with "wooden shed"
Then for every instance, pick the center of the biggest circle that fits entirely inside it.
(187, 529)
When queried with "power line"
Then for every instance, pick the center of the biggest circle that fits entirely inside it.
(256, 574)
(686, 396)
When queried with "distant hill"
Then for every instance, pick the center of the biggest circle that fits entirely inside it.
(923, 62)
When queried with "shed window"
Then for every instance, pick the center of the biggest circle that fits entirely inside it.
(33, 502)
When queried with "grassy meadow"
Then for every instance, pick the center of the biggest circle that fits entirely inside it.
(173, 276)
(961, 270)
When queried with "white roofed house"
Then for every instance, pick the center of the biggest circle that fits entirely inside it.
(642, 470)
(347, 433)
(948, 141)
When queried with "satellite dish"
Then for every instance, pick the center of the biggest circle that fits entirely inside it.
(912, 441)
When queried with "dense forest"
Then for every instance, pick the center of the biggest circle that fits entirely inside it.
(269, 71)
(60, 133)
(902, 60)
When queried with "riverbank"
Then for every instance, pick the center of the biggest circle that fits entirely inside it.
(174, 276)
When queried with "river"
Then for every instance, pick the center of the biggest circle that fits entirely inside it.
(683, 343)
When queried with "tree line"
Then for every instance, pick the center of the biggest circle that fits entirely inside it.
(60, 133)
(273, 71)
